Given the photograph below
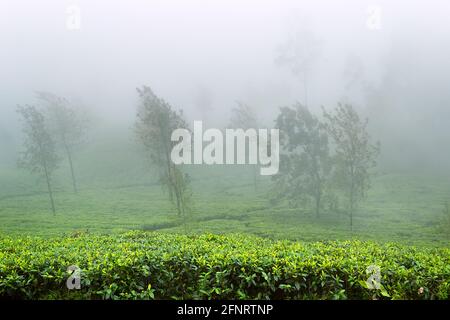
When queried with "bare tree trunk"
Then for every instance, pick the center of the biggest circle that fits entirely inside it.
(72, 172)
(172, 180)
(74, 181)
(50, 192)
(352, 196)
(174, 184)
(178, 196)
(47, 178)
(180, 199)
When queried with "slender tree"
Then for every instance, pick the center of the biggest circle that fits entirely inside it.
(305, 156)
(355, 154)
(298, 54)
(67, 125)
(156, 121)
(40, 153)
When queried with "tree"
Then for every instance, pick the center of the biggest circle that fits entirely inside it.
(155, 123)
(67, 125)
(244, 117)
(40, 153)
(355, 154)
(299, 53)
(305, 156)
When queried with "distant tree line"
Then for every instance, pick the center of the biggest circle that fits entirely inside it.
(322, 158)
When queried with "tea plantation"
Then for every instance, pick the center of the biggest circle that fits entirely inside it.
(148, 265)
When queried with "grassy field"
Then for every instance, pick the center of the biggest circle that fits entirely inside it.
(118, 192)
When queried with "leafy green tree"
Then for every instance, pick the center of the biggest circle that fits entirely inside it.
(67, 125)
(355, 153)
(156, 120)
(305, 156)
(40, 155)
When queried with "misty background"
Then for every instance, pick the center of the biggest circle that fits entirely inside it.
(203, 56)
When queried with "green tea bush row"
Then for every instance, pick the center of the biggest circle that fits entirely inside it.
(141, 265)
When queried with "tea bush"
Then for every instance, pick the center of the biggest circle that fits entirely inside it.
(141, 265)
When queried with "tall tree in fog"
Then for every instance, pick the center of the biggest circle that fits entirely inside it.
(305, 157)
(355, 154)
(40, 155)
(298, 54)
(244, 117)
(67, 125)
(156, 120)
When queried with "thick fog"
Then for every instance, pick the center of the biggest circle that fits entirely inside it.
(391, 59)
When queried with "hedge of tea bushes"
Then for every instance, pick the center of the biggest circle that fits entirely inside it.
(140, 265)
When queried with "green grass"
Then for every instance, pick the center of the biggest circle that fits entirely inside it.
(119, 192)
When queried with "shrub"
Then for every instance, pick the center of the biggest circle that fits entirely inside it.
(141, 265)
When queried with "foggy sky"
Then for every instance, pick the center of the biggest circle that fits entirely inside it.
(399, 74)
